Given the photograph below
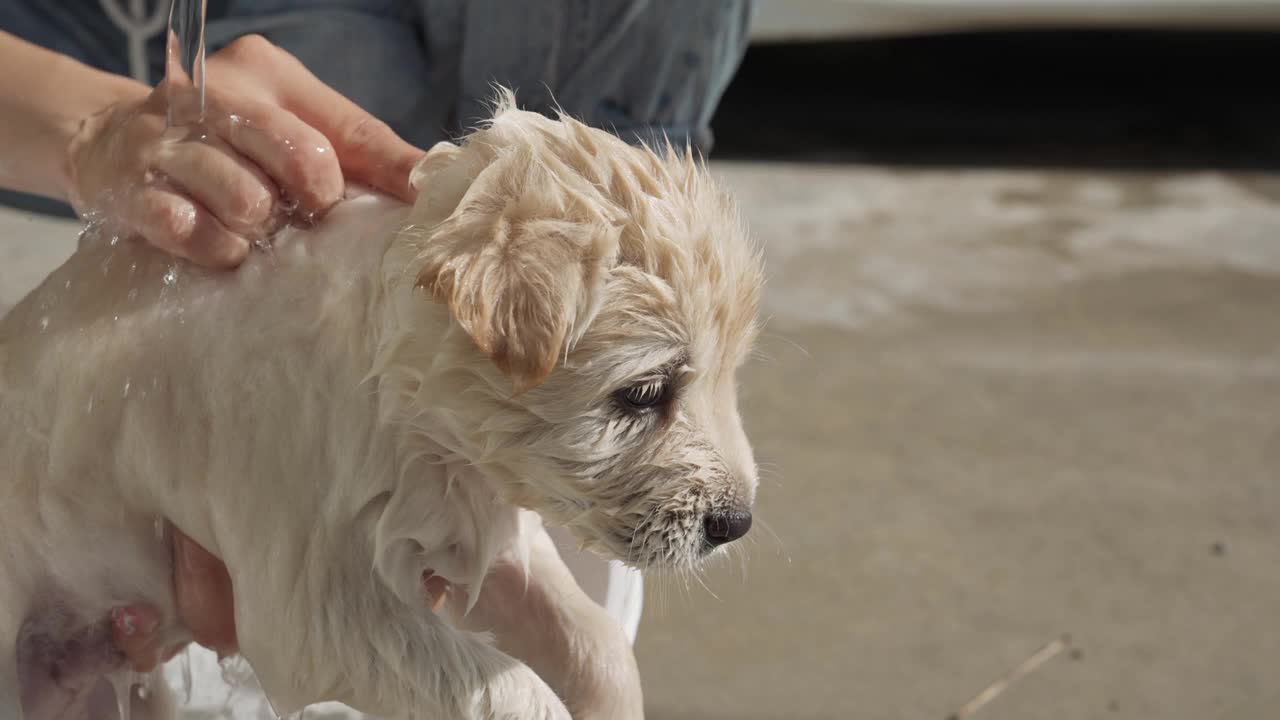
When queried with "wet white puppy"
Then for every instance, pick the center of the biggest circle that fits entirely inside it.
(554, 326)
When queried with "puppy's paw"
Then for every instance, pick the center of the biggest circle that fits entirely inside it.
(617, 703)
(606, 683)
(609, 711)
(522, 695)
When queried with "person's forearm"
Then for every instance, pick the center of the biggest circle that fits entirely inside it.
(43, 98)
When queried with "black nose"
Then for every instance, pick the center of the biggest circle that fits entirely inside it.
(725, 527)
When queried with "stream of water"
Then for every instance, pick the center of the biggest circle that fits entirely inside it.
(184, 63)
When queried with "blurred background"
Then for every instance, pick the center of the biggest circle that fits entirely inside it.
(1022, 374)
(1023, 367)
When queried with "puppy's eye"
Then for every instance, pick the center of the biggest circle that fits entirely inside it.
(643, 396)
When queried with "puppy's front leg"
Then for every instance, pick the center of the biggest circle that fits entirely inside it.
(359, 643)
(547, 621)
(443, 672)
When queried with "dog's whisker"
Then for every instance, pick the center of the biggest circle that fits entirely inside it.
(792, 343)
(777, 540)
(770, 472)
(698, 576)
(684, 584)
(691, 577)
(761, 355)
(651, 537)
(662, 591)
(774, 479)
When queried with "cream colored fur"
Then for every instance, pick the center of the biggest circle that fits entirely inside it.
(329, 431)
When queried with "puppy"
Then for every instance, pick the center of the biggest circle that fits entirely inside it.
(551, 331)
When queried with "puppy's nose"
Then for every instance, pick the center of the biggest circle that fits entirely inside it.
(725, 527)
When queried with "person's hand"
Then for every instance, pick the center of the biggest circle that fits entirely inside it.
(276, 144)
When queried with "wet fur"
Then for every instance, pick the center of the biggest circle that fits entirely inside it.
(393, 392)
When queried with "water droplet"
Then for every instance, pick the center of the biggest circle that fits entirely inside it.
(89, 406)
(122, 683)
(124, 392)
(186, 672)
(267, 712)
(133, 294)
(171, 275)
(44, 323)
(235, 671)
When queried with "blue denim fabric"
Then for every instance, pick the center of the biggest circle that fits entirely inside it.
(642, 68)
(78, 28)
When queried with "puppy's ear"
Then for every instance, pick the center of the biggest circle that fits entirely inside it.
(521, 261)
(431, 163)
(441, 177)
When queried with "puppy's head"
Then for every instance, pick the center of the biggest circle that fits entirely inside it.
(603, 297)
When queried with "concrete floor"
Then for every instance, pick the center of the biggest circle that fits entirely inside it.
(1000, 407)
(997, 407)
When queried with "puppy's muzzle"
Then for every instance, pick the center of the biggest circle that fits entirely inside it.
(719, 528)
